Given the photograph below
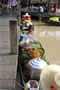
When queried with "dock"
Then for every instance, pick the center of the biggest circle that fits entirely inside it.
(8, 61)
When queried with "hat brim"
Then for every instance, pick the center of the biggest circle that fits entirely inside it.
(26, 15)
(57, 78)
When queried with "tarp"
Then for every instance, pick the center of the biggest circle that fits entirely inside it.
(54, 19)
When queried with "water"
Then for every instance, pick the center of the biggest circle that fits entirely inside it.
(49, 36)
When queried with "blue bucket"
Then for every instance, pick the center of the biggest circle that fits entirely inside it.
(22, 36)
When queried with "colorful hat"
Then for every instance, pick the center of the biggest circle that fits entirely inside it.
(50, 77)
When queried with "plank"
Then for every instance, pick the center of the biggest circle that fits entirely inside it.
(8, 72)
(7, 84)
(8, 59)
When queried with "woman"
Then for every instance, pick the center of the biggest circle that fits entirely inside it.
(6, 6)
(13, 4)
(26, 17)
(31, 29)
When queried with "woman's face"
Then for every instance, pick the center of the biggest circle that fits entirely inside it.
(26, 17)
(31, 29)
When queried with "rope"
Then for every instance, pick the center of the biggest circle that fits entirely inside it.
(20, 85)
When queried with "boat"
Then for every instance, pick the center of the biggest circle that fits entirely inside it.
(52, 21)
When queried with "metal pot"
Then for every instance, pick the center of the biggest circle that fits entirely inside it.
(35, 67)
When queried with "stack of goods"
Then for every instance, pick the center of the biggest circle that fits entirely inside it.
(31, 57)
(30, 49)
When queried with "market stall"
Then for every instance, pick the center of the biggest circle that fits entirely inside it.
(31, 61)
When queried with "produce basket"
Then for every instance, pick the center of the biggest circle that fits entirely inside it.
(30, 50)
(27, 51)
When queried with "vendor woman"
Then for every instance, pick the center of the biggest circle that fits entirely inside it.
(28, 34)
(31, 29)
(26, 17)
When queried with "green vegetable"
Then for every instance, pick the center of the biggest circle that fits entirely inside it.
(23, 57)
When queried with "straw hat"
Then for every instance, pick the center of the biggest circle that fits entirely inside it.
(26, 14)
(50, 77)
(57, 78)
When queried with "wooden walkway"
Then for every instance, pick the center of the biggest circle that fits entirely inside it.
(8, 62)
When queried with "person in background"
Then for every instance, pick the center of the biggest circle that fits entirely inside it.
(47, 8)
(26, 17)
(6, 1)
(41, 9)
(14, 5)
(44, 7)
(9, 5)
(58, 10)
(6, 6)
(54, 8)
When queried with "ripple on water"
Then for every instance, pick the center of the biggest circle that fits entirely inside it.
(52, 34)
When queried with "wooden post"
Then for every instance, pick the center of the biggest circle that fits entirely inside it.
(19, 11)
(13, 36)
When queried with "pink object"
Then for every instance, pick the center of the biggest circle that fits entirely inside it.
(1, 4)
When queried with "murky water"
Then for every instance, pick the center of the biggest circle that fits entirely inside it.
(49, 36)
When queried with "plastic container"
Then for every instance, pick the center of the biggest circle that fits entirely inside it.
(35, 67)
(22, 36)
(27, 86)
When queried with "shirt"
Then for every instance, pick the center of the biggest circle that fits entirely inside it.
(26, 19)
(41, 9)
(14, 3)
(54, 9)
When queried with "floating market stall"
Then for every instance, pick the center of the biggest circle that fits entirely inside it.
(31, 61)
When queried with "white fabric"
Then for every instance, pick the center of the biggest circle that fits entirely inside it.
(58, 10)
(41, 9)
(9, 5)
(26, 15)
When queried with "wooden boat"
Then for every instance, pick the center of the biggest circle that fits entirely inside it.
(52, 21)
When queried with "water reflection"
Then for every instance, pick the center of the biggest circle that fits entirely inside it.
(48, 31)
(54, 35)
(49, 36)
